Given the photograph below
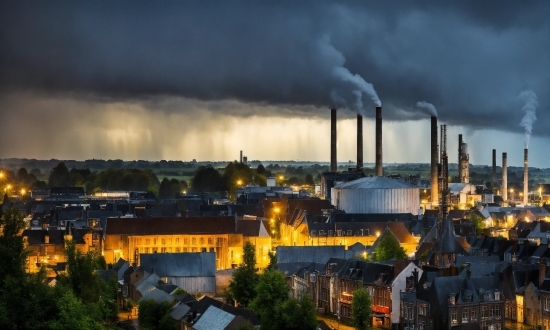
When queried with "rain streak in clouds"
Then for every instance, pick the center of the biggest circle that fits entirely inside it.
(280, 59)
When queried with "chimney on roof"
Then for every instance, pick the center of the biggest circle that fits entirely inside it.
(333, 164)
(379, 170)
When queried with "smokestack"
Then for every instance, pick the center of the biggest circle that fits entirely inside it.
(359, 142)
(504, 178)
(459, 163)
(434, 175)
(241, 157)
(379, 171)
(494, 167)
(525, 176)
(333, 165)
(459, 154)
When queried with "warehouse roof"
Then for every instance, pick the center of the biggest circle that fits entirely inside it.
(378, 182)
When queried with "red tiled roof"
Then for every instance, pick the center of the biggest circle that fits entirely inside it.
(400, 232)
(171, 225)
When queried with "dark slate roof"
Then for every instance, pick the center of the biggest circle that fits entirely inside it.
(299, 268)
(35, 237)
(69, 215)
(153, 213)
(316, 254)
(168, 288)
(171, 225)
(431, 213)
(202, 305)
(202, 264)
(372, 227)
(249, 227)
(545, 286)
(458, 214)
(106, 274)
(98, 214)
(448, 243)
(371, 217)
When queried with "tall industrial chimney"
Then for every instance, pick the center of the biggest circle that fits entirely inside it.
(504, 187)
(241, 160)
(333, 165)
(494, 167)
(525, 176)
(434, 175)
(463, 161)
(359, 142)
(460, 174)
(379, 171)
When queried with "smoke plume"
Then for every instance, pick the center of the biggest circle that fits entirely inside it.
(361, 86)
(428, 107)
(530, 107)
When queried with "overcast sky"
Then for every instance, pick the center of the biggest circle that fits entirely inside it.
(203, 80)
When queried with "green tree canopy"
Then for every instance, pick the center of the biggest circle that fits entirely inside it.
(270, 291)
(388, 248)
(153, 315)
(59, 176)
(295, 314)
(207, 179)
(477, 220)
(245, 278)
(361, 309)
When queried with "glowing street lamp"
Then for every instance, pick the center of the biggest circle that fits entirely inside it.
(23, 191)
(239, 182)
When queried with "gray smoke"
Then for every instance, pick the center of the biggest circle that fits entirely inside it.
(530, 107)
(428, 107)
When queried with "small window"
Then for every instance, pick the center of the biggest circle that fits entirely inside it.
(331, 233)
(313, 233)
(350, 233)
(210, 241)
(339, 232)
(193, 241)
(202, 240)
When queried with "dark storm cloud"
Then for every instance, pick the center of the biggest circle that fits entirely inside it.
(469, 58)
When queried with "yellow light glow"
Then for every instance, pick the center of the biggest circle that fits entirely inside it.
(8, 187)
(377, 234)
(277, 210)
(239, 182)
(1, 175)
(23, 191)
(281, 177)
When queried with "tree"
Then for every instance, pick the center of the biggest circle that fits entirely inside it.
(207, 179)
(152, 315)
(295, 314)
(477, 220)
(389, 248)
(164, 189)
(13, 254)
(59, 176)
(309, 180)
(72, 314)
(361, 309)
(270, 291)
(245, 278)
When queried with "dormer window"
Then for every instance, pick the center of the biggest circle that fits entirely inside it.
(331, 233)
(350, 233)
(313, 233)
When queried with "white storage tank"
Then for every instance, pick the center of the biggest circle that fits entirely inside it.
(376, 195)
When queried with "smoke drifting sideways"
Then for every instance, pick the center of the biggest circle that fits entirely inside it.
(353, 85)
(530, 107)
(428, 107)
